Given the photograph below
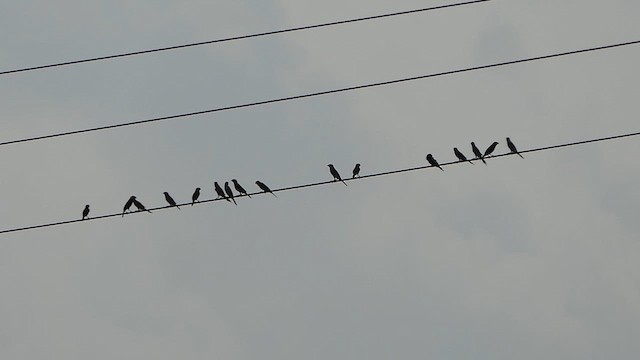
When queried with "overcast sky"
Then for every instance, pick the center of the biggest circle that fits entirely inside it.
(527, 259)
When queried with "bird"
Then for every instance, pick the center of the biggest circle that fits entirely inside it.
(264, 188)
(335, 174)
(477, 152)
(227, 189)
(85, 212)
(356, 171)
(139, 205)
(195, 196)
(460, 155)
(128, 204)
(239, 188)
(220, 192)
(513, 148)
(433, 161)
(490, 149)
(170, 200)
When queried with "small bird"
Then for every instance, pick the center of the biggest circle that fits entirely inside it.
(139, 205)
(239, 188)
(460, 155)
(335, 174)
(433, 161)
(490, 149)
(356, 171)
(227, 189)
(477, 152)
(513, 148)
(85, 212)
(128, 204)
(170, 200)
(220, 192)
(264, 187)
(195, 196)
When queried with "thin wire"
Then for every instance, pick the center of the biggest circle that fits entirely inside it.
(314, 94)
(296, 187)
(175, 47)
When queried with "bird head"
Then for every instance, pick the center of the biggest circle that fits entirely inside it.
(330, 165)
(166, 193)
(234, 180)
(197, 189)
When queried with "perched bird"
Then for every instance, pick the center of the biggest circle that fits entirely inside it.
(195, 196)
(335, 174)
(239, 188)
(227, 189)
(356, 171)
(85, 212)
(128, 204)
(170, 200)
(139, 205)
(477, 152)
(433, 161)
(264, 187)
(512, 147)
(490, 149)
(460, 155)
(220, 192)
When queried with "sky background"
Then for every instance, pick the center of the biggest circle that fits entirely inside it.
(528, 259)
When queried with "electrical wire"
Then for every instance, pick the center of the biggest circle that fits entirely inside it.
(297, 187)
(320, 93)
(240, 37)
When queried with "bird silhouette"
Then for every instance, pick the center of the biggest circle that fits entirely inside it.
(513, 148)
(128, 204)
(490, 149)
(227, 189)
(85, 212)
(170, 200)
(460, 155)
(139, 205)
(239, 188)
(220, 192)
(195, 196)
(334, 173)
(477, 152)
(264, 188)
(433, 161)
(356, 171)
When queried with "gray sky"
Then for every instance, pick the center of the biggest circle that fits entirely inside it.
(529, 259)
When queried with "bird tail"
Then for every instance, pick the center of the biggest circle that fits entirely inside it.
(345, 184)
(123, 214)
(149, 211)
(248, 195)
(272, 193)
(178, 207)
(192, 203)
(234, 201)
(470, 162)
(520, 155)
(440, 168)
(483, 160)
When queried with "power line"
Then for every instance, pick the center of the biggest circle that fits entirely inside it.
(320, 93)
(297, 187)
(240, 37)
